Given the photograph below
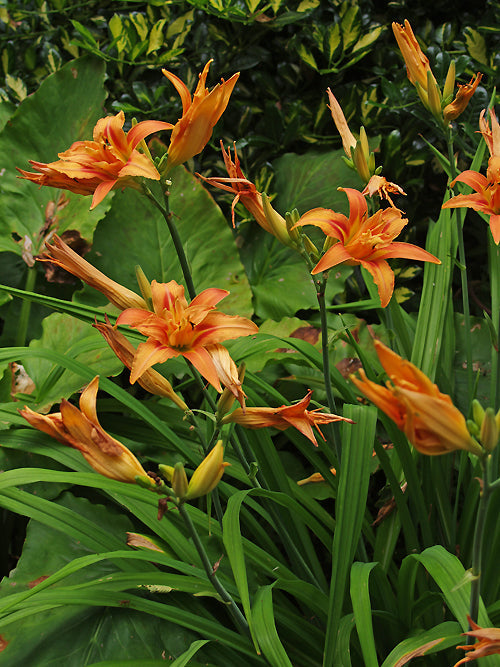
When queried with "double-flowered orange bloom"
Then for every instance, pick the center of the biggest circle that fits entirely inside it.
(486, 197)
(80, 429)
(199, 115)
(296, 415)
(96, 167)
(366, 240)
(194, 331)
(427, 417)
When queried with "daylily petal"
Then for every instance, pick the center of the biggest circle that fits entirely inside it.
(407, 251)
(383, 277)
(204, 364)
(148, 354)
(101, 191)
(332, 257)
(473, 178)
(495, 227)
(143, 129)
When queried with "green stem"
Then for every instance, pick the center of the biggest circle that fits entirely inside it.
(459, 217)
(22, 327)
(477, 549)
(174, 233)
(320, 293)
(238, 617)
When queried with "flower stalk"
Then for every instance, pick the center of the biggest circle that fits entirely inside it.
(237, 616)
(477, 549)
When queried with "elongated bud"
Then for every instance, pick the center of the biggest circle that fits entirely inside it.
(166, 471)
(433, 96)
(472, 427)
(477, 412)
(489, 430)
(449, 84)
(276, 221)
(360, 160)
(179, 481)
(207, 475)
(144, 286)
(310, 248)
(291, 219)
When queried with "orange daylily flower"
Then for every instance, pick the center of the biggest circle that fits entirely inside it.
(200, 114)
(427, 417)
(421, 76)
(193, 331)
(365, 240)
(96, 167)
(488, 643)
(486, 198)
(60, 253)
(150, 380)
(417, 64)
(296, 415)
(80, 429)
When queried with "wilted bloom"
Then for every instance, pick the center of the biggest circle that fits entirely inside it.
(296, 415)
(358, 152)
(383, 188)
(465, 92)
(200, 114)
(315, 478)
(245, 192)
(110, 161)
(61, 254)
(427, 417)
(486, 198)
(80, 429)
(365, 240)
(488, 643)
(193, 331)
(208, 474)
(150, 380)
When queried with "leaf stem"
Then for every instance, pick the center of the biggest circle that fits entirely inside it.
(477, 548)
(459, 217)
(234, 610)
(176, 239)
(22, 326)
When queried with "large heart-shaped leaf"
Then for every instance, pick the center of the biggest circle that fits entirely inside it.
(63, 110)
